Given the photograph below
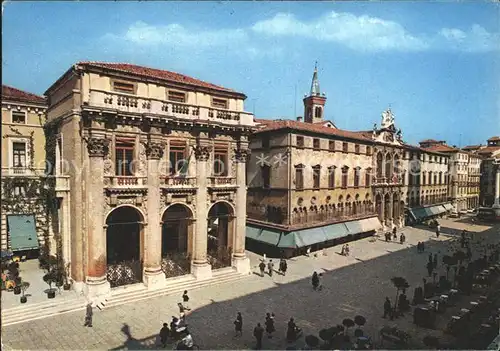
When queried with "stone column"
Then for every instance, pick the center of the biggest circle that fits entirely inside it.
(97, 285)
(200, 267)
(497, 185)
(240, 261)
(153, 275)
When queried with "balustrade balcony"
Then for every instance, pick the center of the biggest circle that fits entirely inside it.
(395, 180)
(221, 181)
(179, 182)
(139, 105)
(19, 170)
(125, 182)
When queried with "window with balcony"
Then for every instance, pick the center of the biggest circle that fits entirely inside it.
(124, 87)
(345, 147)
(316, 144)
(266, 176)
(356, 177)
(435, 179)
(176, 96)
(316, 176)
(124, 158)
(440, 178)
(356, 149)
(177, 159)
(221, 165)
(19, 117)
(345, 174)
(219, 103)
(299, 177)
(331, 145)
(19, 157)
(423, 178)
(331, 177)
(300, 141)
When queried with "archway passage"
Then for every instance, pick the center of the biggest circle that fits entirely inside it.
(123, 246)
(220, 235)
(176, 236)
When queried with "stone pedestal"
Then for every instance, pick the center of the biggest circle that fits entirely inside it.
(201, 271)
(241, 264)
(154, 279)
(97, 289)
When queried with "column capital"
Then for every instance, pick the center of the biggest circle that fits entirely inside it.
(241, 155)
(202, 152)
(154, 150)
(97, 147)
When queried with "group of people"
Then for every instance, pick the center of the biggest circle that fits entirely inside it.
(178, 330)
(315, 280)
(432, 263)
(282, 267)
(345, 250)
(420, 247)
(394, 236)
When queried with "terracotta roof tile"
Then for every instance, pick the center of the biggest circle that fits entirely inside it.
(429, 141)
(472, 147)
(488, 150)
(442, 148)
(494, 138)
(10, 93)
(156, 73)
(268, 125)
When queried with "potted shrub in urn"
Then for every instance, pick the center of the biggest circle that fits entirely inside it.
(24, 287)
(50, 278)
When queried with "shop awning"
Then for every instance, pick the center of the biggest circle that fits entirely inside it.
(369, 224)
(335, 231)
(354, 227)
(448, 207)
(252, 232)
(22, 232)
(311, 236)
(267, 236)
(419, 213)
(434, 210)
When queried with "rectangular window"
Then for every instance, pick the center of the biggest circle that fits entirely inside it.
(316, 144)
(124, 158)
(221, 164)
(368, 151)
(344, 177)
(266, 176)
(300, 141)
(356, 178)
(19, 117)
(265, 141)
(177, 96)
(331, 145)
(356, 149)
(219, 103)
(19, 156)
(331, 177)
(299, 178)
(123, 87)
(177, 159)
(316, 176)
(368, 177)
(345, 147)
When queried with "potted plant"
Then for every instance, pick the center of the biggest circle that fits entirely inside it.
(24, 287)
(50, 278)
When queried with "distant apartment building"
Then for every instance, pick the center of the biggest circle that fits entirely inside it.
(24, 221)
(490, 172)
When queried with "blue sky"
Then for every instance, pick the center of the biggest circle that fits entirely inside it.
(436, 64)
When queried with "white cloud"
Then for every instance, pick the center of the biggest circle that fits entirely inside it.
(361, 33)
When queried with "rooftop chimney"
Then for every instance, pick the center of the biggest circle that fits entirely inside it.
(299, 118)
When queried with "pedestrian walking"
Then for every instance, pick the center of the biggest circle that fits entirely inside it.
(258, 332)
(315, 280)
(238, 325)
(438, 228)
(262, 267)
(164, 333)
(270, 267)
(402, 238)
(387, 307)
(88, 316)
(182, 310)
(423, 247)
(283, 266)
(185, 300)
(270, 329)
(430, 267)
(347, 249)
(308, 251)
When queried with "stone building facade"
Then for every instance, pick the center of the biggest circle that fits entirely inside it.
(23, 170)
(490, 183)
(155, 167)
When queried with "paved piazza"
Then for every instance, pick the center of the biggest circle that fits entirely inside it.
(352, 285)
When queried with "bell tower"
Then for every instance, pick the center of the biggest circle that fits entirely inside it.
(314, 103)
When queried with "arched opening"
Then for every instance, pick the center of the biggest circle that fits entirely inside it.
(388, 168)
(379, 165)
(387, 204)
(176, 240)
(124, 229)
(395, 208)
(220, 235)
(378, 204)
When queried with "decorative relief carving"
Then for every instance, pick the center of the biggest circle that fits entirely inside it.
(126, 201)
(97, 147)
(108, 166)
(241, 155)
(142, 160)
(202, 152)
(155, 150)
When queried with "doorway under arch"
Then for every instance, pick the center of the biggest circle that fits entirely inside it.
(124, 242)
(220, 234)
(176, 240)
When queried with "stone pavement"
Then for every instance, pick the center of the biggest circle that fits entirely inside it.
(353, 285)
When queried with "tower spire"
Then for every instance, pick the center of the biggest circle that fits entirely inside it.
(315, 82)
